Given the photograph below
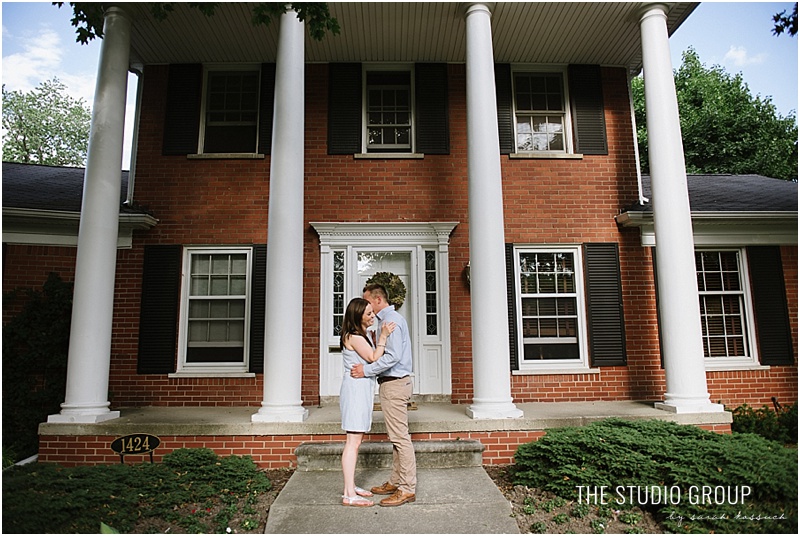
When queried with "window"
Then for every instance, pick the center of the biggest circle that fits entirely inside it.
(723, 306)
(388, 112)
(214, 312)
(550, 306)
(230, 115)
(541, 112)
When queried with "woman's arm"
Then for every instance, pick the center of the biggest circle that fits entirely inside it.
(363, 348)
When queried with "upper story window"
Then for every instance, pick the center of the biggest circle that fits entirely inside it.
(389, 125)
(230, 116)
(541, 112)
(724, 307)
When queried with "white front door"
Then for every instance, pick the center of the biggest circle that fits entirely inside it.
(350, 257)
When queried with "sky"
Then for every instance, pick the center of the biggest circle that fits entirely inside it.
(39, 44)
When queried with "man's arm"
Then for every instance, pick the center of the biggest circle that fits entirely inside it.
(391, 354)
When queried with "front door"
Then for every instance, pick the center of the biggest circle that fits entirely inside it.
(423, 269)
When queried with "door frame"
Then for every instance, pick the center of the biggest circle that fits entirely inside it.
(434, 378)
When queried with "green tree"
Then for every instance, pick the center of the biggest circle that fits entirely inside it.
(88, 16)
(45, 126)
(725, 128)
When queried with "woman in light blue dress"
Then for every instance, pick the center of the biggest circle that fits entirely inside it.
(356, 394)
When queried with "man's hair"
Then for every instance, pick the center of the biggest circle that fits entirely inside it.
(375, 290)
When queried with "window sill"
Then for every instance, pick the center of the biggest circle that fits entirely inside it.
(388, 156)
(725, 367)
(210, 374)
(542, 372)
(545, 156)
(225, 156)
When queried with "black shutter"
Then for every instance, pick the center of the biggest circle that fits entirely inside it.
(431, 109)
(266, 108)
(511, 293)
(769, 302)
(505, 107)
(653, 251)
(586, 94)
(158, 320)
(182, 116)
(604, 297)
(344, 108)
(258, 287)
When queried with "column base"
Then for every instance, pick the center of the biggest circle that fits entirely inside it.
(689, 407)
(494, 410)
(83, 418)
(280, 414)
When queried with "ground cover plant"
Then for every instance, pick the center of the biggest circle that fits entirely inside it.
(691, 479)
(779, 424)
(192, 491)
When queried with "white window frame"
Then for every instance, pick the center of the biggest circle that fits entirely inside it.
(554, 366)
(367, 68)
(214, 368)
(213, 67)
(748, 325)
(544, 69)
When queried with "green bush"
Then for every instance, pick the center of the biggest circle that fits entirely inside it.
(779, 426)
(35, 347)
(643, 454)
(47, 498)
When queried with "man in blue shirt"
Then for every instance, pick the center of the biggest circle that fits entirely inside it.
(393, 370)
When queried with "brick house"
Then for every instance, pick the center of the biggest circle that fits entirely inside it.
(491, 167)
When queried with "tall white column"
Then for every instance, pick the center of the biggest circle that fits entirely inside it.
(490, 350)
(89, 358)
(283, 339)
(684, 367)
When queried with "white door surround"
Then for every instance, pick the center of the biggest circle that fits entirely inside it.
(341, 246)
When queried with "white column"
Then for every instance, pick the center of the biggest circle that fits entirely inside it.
(283, 342)
(684, 367)
(490, 350)
(93, 300)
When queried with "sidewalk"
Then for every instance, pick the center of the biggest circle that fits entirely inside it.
(459, 500)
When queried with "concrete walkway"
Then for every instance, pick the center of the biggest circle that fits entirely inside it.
(457, 500)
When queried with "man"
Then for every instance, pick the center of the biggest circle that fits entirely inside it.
(393, 370)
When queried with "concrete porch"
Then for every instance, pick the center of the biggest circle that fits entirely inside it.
(230, 430)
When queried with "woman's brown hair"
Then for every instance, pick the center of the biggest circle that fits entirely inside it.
(351, 323)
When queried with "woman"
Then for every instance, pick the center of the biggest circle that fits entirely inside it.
(356, 395)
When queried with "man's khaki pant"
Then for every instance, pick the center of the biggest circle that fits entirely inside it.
(395, 396)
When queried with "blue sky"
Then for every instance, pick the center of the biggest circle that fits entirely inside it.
(39, 44)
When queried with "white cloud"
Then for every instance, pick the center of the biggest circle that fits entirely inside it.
(739, 57)
(38, 61)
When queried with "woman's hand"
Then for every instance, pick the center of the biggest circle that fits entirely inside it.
(387, 329)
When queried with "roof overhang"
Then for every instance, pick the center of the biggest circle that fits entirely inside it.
(724, 228)
(604, 33)
(60, 228)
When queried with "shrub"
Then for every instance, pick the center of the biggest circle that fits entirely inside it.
(47, 498)
(35, 347)
(779, 425)
(643, 454)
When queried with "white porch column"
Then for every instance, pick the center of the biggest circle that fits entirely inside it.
(284, 317)
(89, 358)
(684, 367)
(490, 353)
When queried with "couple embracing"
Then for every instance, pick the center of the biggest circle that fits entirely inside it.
(388, 359)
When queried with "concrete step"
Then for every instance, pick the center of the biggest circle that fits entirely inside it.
(378, 454)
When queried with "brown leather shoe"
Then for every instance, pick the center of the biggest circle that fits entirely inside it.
(398, 498)
(386, 488)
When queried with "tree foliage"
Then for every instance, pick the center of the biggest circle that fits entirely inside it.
(785, 23)
(45, 126)
(87, 17)
(725, 128)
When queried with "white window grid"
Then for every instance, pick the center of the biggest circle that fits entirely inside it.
(541, 113)
(388, 124)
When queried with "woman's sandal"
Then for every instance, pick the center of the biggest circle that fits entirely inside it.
(362, 492)
(355, 501)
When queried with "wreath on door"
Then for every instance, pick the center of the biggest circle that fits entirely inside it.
(394, 287)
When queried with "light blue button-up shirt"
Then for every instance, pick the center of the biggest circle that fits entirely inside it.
(396, 358)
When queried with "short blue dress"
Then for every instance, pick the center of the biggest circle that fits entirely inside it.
(356, 395)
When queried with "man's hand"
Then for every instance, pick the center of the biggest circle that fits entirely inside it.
(357, 371)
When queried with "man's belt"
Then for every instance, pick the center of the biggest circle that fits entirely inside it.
(384, 379)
